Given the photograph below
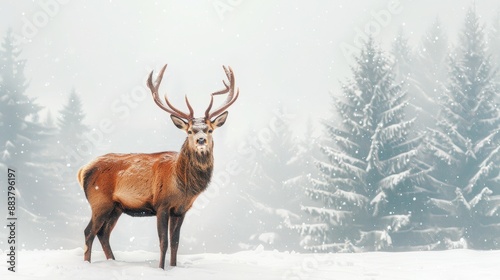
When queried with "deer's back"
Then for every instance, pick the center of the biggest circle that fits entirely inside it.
(132, 180)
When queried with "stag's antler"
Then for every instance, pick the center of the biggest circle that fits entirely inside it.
(230, 98)
(170, 109)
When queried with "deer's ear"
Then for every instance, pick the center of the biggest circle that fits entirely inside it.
(180, 123)
(220, 120)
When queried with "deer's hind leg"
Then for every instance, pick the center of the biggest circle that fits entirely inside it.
(104, 233)
(100, 216)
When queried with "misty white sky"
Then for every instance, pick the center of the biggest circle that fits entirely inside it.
(284, 53)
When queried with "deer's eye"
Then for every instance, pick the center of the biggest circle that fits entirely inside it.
(210, 131)
(190, 132)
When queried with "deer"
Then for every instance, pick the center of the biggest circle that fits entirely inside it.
(163, 184)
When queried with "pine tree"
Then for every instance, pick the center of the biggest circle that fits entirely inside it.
(430, 73)
(18, 110)
(22, 140)
(71, 132)
(306, 152)
(67, 198)
(273, 195)
(70, 122)
(466, 145)
(22, 135)
(404, 65)
(494, 41)
(403, 58)
(367, 190)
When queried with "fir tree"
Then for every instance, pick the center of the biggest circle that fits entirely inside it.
(403, 58)
(71, 132)
(367, 189)
(494, 41)
(494, 44)
(433, 51)
(68, 199)
(404, 64)
(18, 110)
(70, 122)
(466, 145)
(22, 140)
(430, 73)
(273, 194)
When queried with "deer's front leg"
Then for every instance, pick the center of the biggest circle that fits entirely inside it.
(162, 224)
(175, 232)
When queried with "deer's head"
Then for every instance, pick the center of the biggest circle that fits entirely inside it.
(199, 130)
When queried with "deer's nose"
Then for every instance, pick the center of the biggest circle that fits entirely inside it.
(201, 141)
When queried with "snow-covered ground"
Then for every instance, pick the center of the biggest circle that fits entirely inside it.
(259, 264)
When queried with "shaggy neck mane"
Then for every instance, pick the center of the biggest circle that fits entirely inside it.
(193, 171)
